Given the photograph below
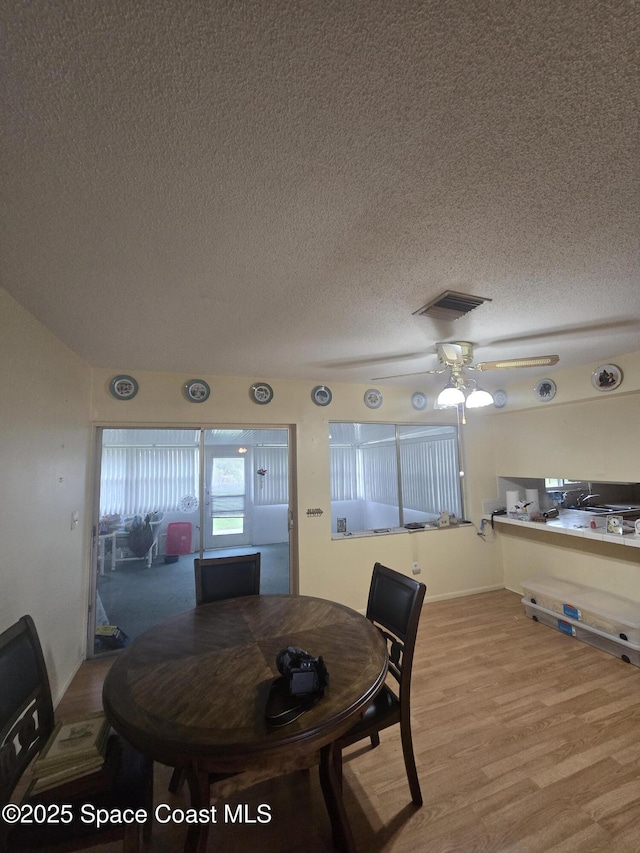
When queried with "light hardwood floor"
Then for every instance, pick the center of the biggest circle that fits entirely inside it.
(525, 739)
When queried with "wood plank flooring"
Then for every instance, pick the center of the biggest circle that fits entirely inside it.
(526, 741)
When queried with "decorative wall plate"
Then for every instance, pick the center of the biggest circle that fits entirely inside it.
(606, 377)
(189, 503)
(419, 401)
(197, 390)
(261, 393)
(500, 399)
(373, 398)
(123, 387)
(321, 395)
(545, 390)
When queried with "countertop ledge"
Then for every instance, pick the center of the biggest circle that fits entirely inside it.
(393, 531)
(572, 523)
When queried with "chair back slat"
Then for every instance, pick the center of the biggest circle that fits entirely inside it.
(218, 578)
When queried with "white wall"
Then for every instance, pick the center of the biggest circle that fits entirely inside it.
(44, 457)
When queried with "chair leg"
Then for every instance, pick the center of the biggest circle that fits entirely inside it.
(332, 792)
(177, 780)
(375, 740)
(337, 764)
(410, 763)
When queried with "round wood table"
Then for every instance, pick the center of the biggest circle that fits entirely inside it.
(191, 692)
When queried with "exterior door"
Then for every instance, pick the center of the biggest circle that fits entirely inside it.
(227, 522)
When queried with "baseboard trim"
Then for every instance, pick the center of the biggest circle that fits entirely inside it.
(463, 593)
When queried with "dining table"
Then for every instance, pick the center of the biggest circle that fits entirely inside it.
(192, 693)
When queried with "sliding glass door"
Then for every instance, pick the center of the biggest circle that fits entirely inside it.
(167, 496)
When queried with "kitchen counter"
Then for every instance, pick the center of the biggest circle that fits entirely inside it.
(575, 523)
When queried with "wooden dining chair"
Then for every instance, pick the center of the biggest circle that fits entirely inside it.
(218, 578)
(394, 606)
(27, 721)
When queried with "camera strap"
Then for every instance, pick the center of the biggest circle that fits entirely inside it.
(282, 707)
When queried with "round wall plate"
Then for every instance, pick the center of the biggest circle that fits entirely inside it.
(261, 393)
(419, 401)
(197, 390)
(545, 390)
(189, 503)
(500, 399)
(123, 387)
(373, 398)
(607, 377)
(321, 395)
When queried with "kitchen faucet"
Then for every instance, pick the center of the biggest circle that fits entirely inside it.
(583, 499)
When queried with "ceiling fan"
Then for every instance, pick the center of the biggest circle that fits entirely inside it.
(458, 355)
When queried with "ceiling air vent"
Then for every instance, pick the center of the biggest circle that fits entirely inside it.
(451, 305)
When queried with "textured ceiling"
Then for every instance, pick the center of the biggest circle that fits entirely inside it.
(272, 188)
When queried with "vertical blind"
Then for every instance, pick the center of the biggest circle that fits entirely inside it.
(138, 480)
(273, 486)
(380, 474)
(430, 480)
(428, 473)
(344, 474)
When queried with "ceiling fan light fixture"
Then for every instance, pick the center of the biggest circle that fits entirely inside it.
(479, 398)
(449, 397)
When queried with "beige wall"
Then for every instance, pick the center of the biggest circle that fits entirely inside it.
(453, 562)
(582, 434)
(44, 453)
(528, 553)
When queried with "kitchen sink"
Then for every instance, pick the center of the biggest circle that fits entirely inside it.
(593, 510)
(608, 509)
(624, 507)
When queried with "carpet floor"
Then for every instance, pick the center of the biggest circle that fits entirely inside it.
(135, 597)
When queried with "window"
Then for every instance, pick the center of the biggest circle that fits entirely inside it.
(551, 483)
(147, 470)
(227, 495)
(388, 475)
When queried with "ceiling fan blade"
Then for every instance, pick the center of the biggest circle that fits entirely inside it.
(401, 375)
(534, 361)
(622, 323)
(370, 360)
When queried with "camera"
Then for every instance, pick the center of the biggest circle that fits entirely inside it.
(306, 675)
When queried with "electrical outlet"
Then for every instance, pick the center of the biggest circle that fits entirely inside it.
(416, 569)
